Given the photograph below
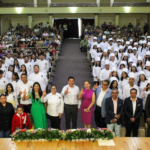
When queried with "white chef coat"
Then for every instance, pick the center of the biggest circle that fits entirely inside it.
(43, 65)
(147, 73)
(29, 67)
(3, 83)
(104, 45)
(126, 91)
(12, 98)
(15, 84)
(144, 97)
(104, 75)
(9, 61)
(55, 104)
(41, 78)
(21, 87)
(8, 76)
(72, 97)
(123, 83)
(96, 72)
(21, 61)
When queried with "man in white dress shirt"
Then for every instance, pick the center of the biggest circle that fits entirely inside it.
(43, 64)
(40, 77)
(23, 86)
(71, 93)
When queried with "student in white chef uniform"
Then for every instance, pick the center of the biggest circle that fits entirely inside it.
(43, 64)
(127, 88)
(3, 81)
(105, 72)
(28, 65)
(97, 70)
(104, 44)
(9, 60)
(147, 69)
(40, 77)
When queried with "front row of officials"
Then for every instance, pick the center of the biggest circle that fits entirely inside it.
(101, 101)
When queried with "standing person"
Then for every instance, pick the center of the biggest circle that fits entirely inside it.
(22, 86)
(65, 27)
(40, 77)
(54, 107)
(114, 109)
(37, 108)
(11, 95)
(6, 115)
(70, 29)
(133, 109)
(72, 104)
(88, 99)
(102, 92)
(147, 111)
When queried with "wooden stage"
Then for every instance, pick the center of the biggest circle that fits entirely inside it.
(122, 143)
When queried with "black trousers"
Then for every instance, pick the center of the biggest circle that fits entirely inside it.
(55, 121)
(132, 127)
(27, 108)
(83, 49)
(71, 114)
(148, 130)
(99, 120)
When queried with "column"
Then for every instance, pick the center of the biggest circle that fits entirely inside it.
(35, 3)
(111, 3)
(30, 21)
(51, 20)
(49, 3)
(147, 0)
(117, 19)
(98, 2)
(96, 20)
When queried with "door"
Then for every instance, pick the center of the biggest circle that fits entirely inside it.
(5, 24)
(74, 26)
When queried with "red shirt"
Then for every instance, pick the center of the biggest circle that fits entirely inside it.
(54, 52)
(18, 120)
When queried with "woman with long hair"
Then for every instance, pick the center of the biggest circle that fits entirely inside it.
(11, 95)
(37, 109)
(23, 70)
(15, 81)
(16, 66)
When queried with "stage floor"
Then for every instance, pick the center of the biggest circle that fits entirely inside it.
(122, 143)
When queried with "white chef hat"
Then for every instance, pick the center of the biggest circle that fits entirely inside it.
(141, 72)
(113, 79)
(107, 62)
(131, 75)
(127, 42)
(140, 58)
(111, 55)
(148, 37)
(125, 70)
(134, 64)
(147, 63)
(136, 43)
(104, 37)
(125, 54)
(118, 40)
(147, 53)
(116, 50)
(110, 39)
(131, 40)
(134, 48)
(121, 47)
(105, 50)
(97, 59)
(114, 69)
(130, 60)
(95, 38)
(144, 42)
(129, 47)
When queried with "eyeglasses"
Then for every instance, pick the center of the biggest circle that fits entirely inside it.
(104, 84)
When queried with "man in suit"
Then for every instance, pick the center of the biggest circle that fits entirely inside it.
(102, 92)
(114, 109)
(133, 108)
(147, 111)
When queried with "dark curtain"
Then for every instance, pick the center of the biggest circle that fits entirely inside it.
(74, 23)
(86, 21)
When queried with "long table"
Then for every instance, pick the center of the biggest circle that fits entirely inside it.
(122, 143)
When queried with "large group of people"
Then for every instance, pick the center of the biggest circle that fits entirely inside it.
(120, 68)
